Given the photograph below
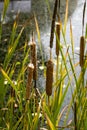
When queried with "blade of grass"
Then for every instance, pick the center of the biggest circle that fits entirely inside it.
(18, 123)
(6, 3)
(72, 41)
(50, 124)
(9, 80)
(39, 37)
(11, 51)
(66, 17)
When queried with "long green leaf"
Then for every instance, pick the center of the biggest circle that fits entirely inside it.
(6, 3)
(11, 51)
(8, 79)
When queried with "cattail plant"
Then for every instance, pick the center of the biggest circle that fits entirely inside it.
(33, 57)
(82, 46)
(30, 78)
(53, 23)
(82, 39)
(57, 37)
(49, 72)
(49, 77)
(57, 45)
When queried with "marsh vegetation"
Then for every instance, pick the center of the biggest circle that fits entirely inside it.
(23, 106)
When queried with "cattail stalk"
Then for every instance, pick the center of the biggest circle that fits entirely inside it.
(12, 92)
(29, 82)
(13, 96)
(82, 46)
(57, 46)
(75, 114)
(59, 6)
(83, 19)
(49, 78)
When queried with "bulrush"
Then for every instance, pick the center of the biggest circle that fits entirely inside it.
(57, 37)
(49, 77)
(29, 82)
(82, 45)
(34, 58)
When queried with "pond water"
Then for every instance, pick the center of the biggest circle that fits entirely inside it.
(40, 9)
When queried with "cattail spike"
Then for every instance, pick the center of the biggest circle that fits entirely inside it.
(53, 23)
(34, 58)
(29, 82)
(57, 37)
(82, 46)
(49, 78)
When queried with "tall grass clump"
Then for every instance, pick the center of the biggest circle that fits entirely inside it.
(22, 105)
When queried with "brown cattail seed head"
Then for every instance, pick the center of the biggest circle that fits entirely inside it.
(57, 37)
(53, 23)
(49, 77)
(34, 58)
(29, 82)
(82, 45)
